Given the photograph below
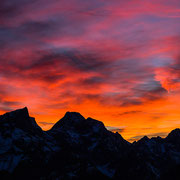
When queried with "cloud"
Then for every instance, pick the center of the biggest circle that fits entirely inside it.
(151, 135)
(46, 123)
(7, 10)
(116, 129)
(169, 76)
(112, 59)
(6, 105)
(129, 112)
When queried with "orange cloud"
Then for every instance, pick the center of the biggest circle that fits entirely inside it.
(115, 61)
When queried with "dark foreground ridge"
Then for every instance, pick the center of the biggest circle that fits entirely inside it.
(77, 148)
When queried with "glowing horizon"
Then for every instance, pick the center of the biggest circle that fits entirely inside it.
(114, 61)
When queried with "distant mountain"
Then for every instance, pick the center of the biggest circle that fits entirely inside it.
(77, 148)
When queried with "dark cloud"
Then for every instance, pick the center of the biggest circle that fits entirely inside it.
(108, 52)
(129, 112)
(77, 60)
(8, 105)
(51, 66)
(90, 96)
(8, 9)
(86, 61)
(11, 10)
(57, 65)
(6, 108)
(92, 80)
(48, 78)
(130, 102)
(37, 29)
(155, 117)
(115, 129)
(58, 105)
(46, 123)
(155, 94)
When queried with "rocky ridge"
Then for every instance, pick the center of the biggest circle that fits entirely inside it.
(79, 148)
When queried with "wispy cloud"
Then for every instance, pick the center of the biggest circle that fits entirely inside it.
(117, 61)
(116, 129)
(151, 135)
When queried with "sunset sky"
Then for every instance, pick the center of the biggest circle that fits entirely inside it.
(117, 61)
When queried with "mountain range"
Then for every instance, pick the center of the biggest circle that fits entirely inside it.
(77, 148)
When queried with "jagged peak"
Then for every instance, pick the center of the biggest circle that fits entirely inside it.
(175, 131)
(69, 119)
(96, 122)
(143, 140)
(75, 121)
(174, 134)
(18, 112)
(75, 116)
(20, 118)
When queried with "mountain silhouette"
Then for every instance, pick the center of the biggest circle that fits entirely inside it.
(78, 148)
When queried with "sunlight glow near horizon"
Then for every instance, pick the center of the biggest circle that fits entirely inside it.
(114, 61)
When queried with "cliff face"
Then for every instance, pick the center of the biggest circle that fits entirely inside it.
(79, 148)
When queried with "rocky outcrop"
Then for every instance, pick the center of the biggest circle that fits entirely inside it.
(79, 148)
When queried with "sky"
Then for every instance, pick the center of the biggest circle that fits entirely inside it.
(116, 61)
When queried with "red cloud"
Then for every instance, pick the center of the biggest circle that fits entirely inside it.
(97, 57)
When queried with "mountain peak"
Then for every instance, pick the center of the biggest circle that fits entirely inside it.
(174, 136)
(20, 119)
(75, 116)
(20, 112)
(175, 132)
(76, 122)
(70, 119)
(17, 115)
(143, 140)
(81, 149)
